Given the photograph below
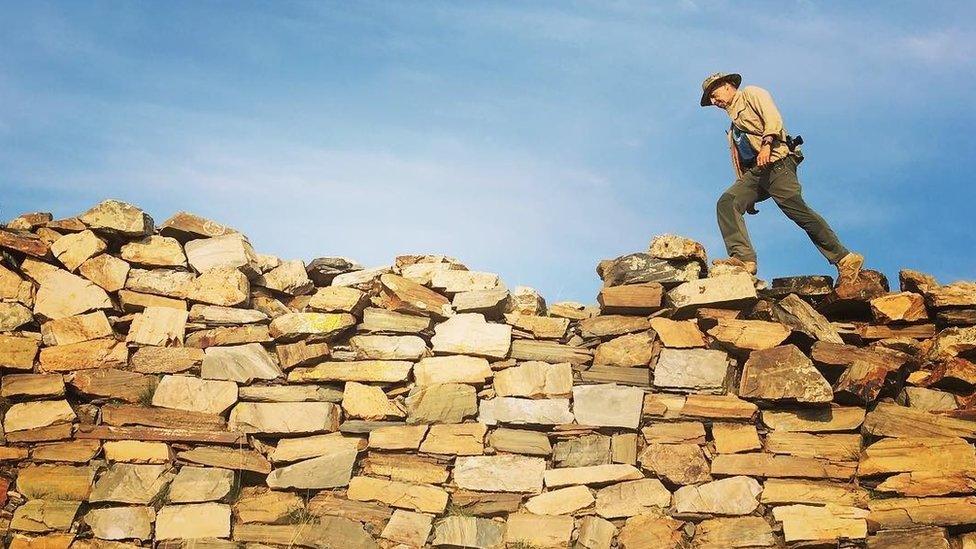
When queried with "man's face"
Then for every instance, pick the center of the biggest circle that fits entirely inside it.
(722, 96)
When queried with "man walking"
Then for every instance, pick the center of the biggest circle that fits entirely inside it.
(765, 166)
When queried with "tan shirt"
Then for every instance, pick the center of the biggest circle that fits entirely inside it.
(752, 109)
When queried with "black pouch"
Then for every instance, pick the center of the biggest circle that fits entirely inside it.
(793, 144)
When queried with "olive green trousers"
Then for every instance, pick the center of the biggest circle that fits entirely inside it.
(779, 182)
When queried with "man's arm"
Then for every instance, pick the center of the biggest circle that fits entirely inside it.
(760, 100)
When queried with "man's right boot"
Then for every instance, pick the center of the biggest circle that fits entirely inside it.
(849, 267)
(749, 266)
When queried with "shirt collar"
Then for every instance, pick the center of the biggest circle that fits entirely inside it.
(736, 104)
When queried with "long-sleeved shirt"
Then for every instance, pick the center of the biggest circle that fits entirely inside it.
(753, 111)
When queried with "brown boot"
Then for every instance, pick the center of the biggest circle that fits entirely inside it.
(749, 266)
(849, 267)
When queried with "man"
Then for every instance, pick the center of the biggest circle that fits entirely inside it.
(765, 166)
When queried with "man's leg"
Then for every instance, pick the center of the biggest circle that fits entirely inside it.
(731, 205)
(785, 190)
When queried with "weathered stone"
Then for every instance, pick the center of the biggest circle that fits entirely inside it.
(672, 246)
(538, 530)
(314, 326)
(231, 251)
(97, 353)
(549, 351)
(522, 411)
(453, 281)
(419, 497)
(641, 267)
(593, 474)
(160, 282)
(378, 347)
(679, 432)
(107, 271)
(117, 218)
(224, 286)
(13, 316)
(260, 505)
(470, 334)
(56, 482)
(608, 405)
(405, 296)
(185, 226)
(518, 441)
(73, 451)
(115, 523)
(329, 470)
(462, 439)
(116, 384)
(32, 385)
(135, 451)
(742, 336)
(408, 528)
(200, 484)
(541, 327)
(74, 249)
(24, 242)
(900, 307)
(198, 520)
(471, 532)
(718, 407)
(155, 251)
(631, 498)
(376, 371)
(733, 532)
(323, 269)
(133, 302)
(284, 417)
(780, 491)
(32, 415)
(289, 278)
(783, 373)
(368, 402)
(196, 395)
(76, 329)
(296, 449)
(677, 334)
(727, 496)
(442, 403)
(326, 532)
(803, 318)
(338, 299)
(130, 483)
(406, 468)
(40, 515)
(237, 459)
(363, 279)
(728, 292)
(452, 369)
(629, 350)
(582, 451)
(491, 303)
(63, 294)
(778, 466)
(406, 437)
(17, 353)
(158, 326)
(162, 360)
(632, 299)
(815, 420)
(608, 326)
(500, 473)
(691, 370)
(241, 363)
(892, 420)
(823, 524)
(908, 454)
(732, 438)
(595, 533)
(676, 463)
(651, 531)
(534, 379)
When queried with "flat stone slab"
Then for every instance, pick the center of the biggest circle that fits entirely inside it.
(195, 395)
(608, 405)
(240, 363)
(783, 373)
(330, 470)
(501, 473)
(471, 334)
(284, 417)
(728, 496)
(691, 370)
(200, 520)
(523, 411)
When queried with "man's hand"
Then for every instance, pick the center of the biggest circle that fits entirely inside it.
(764, 153)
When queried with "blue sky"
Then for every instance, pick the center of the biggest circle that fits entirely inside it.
(532, 139)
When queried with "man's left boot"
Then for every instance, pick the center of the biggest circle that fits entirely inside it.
(849, 267)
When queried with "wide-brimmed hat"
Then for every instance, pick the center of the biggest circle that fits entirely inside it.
(716, 80)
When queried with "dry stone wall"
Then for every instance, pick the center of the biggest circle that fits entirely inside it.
(171, 387)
